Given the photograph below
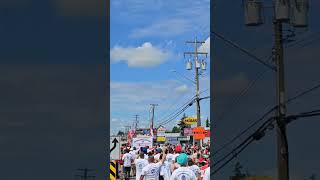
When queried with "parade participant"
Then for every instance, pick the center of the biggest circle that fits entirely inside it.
(174, 165)
(152, 170)
(183, 172)
(194, 168)
(140, 164)
(206, 175)
(170, 156)
(158, 152)
(134, 156)
(177, 150)
(164, 170)
(127, 160)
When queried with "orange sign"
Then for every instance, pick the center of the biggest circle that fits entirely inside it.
(199, 133)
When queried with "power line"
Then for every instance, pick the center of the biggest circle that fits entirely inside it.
(265, 115)
(245, 51)
(188, 102)
(257, 135)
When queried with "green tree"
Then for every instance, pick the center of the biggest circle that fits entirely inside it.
(207, 123)
(120, 133)
(176, 129)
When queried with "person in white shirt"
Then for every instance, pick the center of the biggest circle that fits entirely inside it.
(157, 156)
(127, 160)
(194, 168)
(140, 164)
(152, 170)
(206, 175)
(134, 156)
(183, 172)
(170, 156)
(165, 172)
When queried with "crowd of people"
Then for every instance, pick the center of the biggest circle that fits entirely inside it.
(166, 162)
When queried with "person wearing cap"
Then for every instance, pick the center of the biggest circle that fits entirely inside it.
(183, 172)
(152, 170)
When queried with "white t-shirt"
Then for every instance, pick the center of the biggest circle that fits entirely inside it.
(206, 175)
(151, 171)
(140, 164)
(165, 170)
(127, 160)
(157, 156)
(196, 170)
(170, 158)
(145, 156)
(133, 154)
(183, 173)
(175, 155)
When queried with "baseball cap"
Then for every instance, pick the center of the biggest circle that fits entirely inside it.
(178, 148)
(182, 159)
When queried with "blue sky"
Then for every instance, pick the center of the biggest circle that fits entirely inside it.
(147, 41)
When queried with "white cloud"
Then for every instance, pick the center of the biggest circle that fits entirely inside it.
(182, 89)
(143, 56)
(167, 28)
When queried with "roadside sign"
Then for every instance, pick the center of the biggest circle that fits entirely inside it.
(172, 140)
(161, 139)
(161, 131)
(187, 131)
(198, 133)
(190, 120)
(172, 134)
(113, 170)
(115, 147)
(184, 138)
(207, 133)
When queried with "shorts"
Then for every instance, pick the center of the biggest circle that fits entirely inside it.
(126, 169)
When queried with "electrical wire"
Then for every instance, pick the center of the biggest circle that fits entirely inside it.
(272, 67)
(257, 135)
(265, 115)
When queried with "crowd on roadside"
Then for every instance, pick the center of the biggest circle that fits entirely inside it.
(166, 162)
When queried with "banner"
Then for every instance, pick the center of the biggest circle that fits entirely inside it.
(142, 142)
(187, 131)
(190, 120)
